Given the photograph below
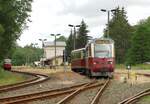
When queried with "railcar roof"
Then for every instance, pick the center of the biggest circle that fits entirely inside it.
(102, 38)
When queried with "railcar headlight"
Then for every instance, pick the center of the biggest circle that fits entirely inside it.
(110, 62)
(94, 63)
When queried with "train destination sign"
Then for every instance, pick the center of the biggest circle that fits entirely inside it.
(102, 42)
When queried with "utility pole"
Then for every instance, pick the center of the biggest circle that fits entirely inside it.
(42, 40)
(74, 36)
(108, 17)
(36, 55)
(55, 46)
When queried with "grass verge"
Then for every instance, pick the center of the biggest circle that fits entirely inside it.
(139, 66)
(145, 100)
(10, 78)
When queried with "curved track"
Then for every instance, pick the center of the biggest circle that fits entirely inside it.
(85, 87)
(135, 97)
(139, 95)
(38, 78)
(99, 93)
(45, 94)
(69, 91)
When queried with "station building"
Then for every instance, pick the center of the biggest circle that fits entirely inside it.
(49, 53)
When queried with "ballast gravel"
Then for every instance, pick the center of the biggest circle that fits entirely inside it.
(114, 93)
(56, 80)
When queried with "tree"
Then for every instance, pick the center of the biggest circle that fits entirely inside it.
(61, 38)
(69, 45)
(26, 55)
(120, 31)
(82, 37)
(140, 47)
(13, 18)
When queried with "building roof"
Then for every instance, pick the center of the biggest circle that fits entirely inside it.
(58, 43)
(60, 56)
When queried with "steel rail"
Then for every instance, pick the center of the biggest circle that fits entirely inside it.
(85, 87)
(138, 95)
(46, 94)
(135, 97)
(38, 78)
(97, 97)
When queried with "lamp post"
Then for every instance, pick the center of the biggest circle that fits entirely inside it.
(108, 14)
(34, 45)
(74, 39)
(42, 40)
(36, 55)
(55, 46)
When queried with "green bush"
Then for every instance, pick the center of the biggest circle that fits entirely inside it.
(10, 78)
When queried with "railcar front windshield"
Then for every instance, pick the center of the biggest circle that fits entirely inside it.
(103, 50)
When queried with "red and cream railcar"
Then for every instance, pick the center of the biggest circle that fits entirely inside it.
(78, 60)
(100, 57)
(7, 64)
(97, 58)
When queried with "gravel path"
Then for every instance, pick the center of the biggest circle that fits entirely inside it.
(118, 91)
(59, 80)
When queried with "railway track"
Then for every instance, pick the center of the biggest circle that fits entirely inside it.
(45, 94)
(135, 98)
(70, 92)
(38, 78)
(139, 95)
(85, 87)
(99, 93)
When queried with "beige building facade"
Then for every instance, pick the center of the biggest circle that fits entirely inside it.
(49, 52)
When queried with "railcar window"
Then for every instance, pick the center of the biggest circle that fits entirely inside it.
(89, 51)
(86, 53)
(82, 54)
(77, 55)
(103, 50)
(72, 55)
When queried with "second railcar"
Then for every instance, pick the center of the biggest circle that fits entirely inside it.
(7, 64)
(78, 60)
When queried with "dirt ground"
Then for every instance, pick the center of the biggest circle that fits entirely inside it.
(130, 75)
(121, 87)
(45, 71)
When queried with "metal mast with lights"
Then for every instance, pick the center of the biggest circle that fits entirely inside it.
(42, 40)
(55, 46)
(108, 14)
(74, 37)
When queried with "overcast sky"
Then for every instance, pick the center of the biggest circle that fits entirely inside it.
(53, 16)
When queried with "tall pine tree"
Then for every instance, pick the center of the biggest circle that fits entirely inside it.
(120, 31)
(82, 37)
(69, 45)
